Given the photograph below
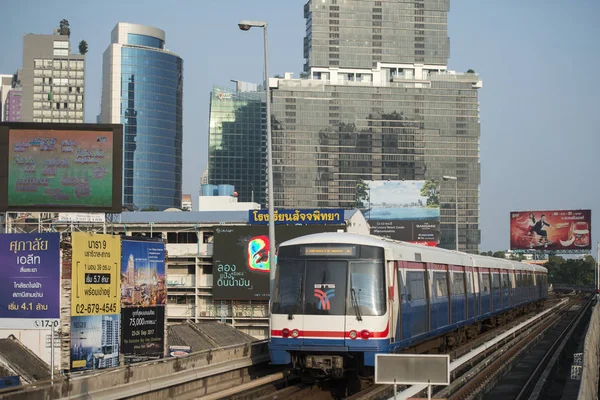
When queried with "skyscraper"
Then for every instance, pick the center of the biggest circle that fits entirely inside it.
(237, 142)
(53, 80)
(142, 88)
(379, 104)
(5, 86)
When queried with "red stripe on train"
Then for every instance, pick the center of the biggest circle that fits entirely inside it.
(330, 334)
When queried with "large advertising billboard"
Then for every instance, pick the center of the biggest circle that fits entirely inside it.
(552, 230)
(30, 284)
(95, 300)
(143, 299)
(60, 167)
(403, 210)
(241, 259)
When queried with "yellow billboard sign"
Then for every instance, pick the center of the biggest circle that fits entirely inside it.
(96, 279)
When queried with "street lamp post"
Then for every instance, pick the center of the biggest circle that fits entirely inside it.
(455, 179)
(245, 26)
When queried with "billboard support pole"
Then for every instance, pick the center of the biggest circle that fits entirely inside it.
(52, 351)
(598, 271)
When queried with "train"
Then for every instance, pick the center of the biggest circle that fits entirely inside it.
(340, 298)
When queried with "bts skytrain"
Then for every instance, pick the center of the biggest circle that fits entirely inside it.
(340, 298)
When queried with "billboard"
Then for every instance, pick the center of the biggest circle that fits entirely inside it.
(403, 210)
(95, 300)
(241, 259)
(553, 230)
(30, 284)
(60, 167)
(143, 299)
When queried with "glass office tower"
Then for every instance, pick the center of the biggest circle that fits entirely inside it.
(237, 141)
(379, 103)
(142, 89)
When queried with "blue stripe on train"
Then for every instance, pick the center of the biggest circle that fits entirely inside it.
(279, 348)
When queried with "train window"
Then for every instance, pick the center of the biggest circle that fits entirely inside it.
(469, 282)
(440, 284)
(367, 281)
(495, 282)
(485, 282)
(325, 288)
(458, 283)
(287, 296)
(505, 282)
(416, 285)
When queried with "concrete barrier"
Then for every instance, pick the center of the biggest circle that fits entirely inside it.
(588, 388)
(138, 379)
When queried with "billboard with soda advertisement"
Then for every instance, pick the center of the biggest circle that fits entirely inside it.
(553, 230)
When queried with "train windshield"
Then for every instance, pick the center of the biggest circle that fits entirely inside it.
(366, 288)
(329, 287)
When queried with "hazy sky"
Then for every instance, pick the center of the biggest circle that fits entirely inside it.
(539, 108)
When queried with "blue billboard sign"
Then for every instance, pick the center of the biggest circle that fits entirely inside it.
(30, 284)
(311, 216)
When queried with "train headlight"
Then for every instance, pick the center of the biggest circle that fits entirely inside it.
(353, 335)
(295, 333)
(365, 334)
(285, 332)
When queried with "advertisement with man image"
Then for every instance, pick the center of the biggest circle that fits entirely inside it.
(552, 230)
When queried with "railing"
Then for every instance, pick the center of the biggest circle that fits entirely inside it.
(145, 377)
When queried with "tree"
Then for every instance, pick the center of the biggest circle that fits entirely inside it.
(64, 28)
(361, 194)
(578, 272)
(470, 71)
(83, 47)
(431, 190)
(499, 254)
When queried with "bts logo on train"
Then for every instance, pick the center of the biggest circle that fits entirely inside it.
(324, 293)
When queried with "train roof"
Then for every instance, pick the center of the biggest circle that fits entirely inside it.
(411, 251)
(491, 262)
(405, 250)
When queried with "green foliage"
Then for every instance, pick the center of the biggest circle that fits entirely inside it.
(64, 28)
(83, 47)
(431, 190)
(362, 194)
(470, 71)
(578, 272)
(499, 254)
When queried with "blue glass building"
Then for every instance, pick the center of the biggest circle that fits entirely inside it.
(142, 89)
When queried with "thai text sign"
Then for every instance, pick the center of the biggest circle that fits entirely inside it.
(30, 284)
(553, 230)
(311, 216)
(242, 259)
(96, 281)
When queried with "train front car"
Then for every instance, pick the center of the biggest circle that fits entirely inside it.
(329, 307)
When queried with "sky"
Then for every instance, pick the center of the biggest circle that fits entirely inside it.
(538, 104)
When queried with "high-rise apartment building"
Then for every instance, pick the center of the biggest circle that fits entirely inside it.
(53, 80)
(237, 141)
(379, 104)
(142, 88)
(5, 86)
(363, 33)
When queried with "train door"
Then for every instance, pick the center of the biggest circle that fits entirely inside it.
(325, 288)
(496, 290)
(485, 294)
(439, 300)
(505, 288)
(471, 296)
(366, 300)
(516, 286)
(413, 299)
(457, 292)
(477, 291)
